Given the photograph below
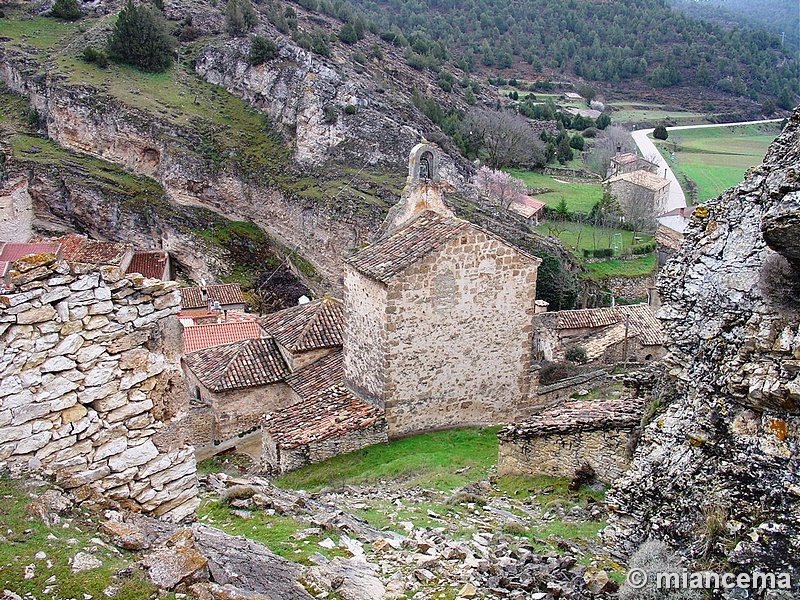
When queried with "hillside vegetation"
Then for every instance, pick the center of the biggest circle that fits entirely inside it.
(642, 41)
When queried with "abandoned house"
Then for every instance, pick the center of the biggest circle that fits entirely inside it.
(529, 209)
(438, 315)
(153, 264)
(219, 297)
(593, 436)
(625, 333)
(640, 193)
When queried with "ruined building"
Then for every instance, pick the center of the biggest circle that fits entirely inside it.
(438, 315)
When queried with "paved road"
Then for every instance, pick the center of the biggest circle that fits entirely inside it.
(649, 151)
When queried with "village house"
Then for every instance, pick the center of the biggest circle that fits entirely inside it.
(628, 162)
(529, 209)
(609, 335)
(438, 316)
(669, 232)
(208, 335)
(153, 264)
(640, 193)
(218, 297)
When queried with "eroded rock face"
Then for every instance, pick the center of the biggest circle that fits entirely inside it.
(718, 475)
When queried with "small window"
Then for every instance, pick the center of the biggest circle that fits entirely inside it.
(197, 394)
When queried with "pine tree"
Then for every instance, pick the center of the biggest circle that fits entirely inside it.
(660, 132)
(240, 17)
(141, 38)
(67, 10)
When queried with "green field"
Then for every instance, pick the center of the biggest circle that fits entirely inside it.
(716, 158)
(577, 236)
(580, 197)
(630, 113)
(636, 267)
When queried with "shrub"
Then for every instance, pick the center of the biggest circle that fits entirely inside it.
(349, 109)
(552, 372)
(97, 57)
(576, 354)
(359, 57)
(261, 50)
(577, 142)
(240, 17)
(655, 557)
(330, 114)
(66, 10)
(660, 132)
(141, 38)
(348, 34)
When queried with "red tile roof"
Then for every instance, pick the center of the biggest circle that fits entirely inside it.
(641, 320)
(244, 364)
(317, 324)
(388, 257)
(225, 294)
(149, 264)
(197, 337)
(333, 412)
(78, 248)
(527, 207)
(312, 379)
(11, 252)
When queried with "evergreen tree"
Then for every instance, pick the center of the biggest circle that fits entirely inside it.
(262, 49)
(67, 10)
(141, 38)
(348, 34)
(660, 132)
(240, 17)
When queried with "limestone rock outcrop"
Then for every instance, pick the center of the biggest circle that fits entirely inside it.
(717, 475)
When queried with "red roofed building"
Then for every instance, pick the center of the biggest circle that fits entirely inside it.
(224, 296)
(153, 264)
(197, 337)
(80, 249)
(530, 209)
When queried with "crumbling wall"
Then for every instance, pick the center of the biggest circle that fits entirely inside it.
(91, 387)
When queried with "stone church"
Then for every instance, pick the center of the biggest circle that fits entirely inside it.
(438, 315)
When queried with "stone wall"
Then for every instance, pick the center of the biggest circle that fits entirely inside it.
(91, 385)
(566, 387)
(458, 337)
(562, 454)
(281, 460)
(364, 335)
(629, 288)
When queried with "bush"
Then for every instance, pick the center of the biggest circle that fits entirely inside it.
(141, 38)
(576, 354)
(348, 34)
(577, 142)
(349, 109)
(660, 132)
(655, 557)
(330, 114)
(66, 10)
(552, 372)
(240, 17)
(97, 57)
(643, 249)
(262, 49)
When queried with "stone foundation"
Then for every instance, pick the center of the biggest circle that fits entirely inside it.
(91, 385)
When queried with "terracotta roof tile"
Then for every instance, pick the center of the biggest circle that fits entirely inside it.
(642, 178)
(641, 320)
(244, 364)
(78, 248)
(428, 232)
(316, 324)
(332, 412)
(225, 293)
(197, 337)
(318, 376)
(149, 264)
(527, 207)
(11, 252)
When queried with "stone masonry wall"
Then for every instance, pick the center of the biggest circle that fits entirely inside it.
(561, 454)
(459, 336)
(89, 385)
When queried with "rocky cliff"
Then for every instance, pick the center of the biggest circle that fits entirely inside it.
(717, 475)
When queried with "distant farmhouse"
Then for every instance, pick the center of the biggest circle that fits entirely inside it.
(641, 194)
(628, 162)
(438, 316)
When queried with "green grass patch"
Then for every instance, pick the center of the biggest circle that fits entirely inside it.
(277, 532)
(637, 267)
(716, 158)
(640, 112)
(429, 460)
(577, 236)
(580, 197)
(27, 536)
(544, 490)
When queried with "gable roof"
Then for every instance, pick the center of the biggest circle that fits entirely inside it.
(248, 363)
(148, 264)
(318, 376)
(316, 324)
(208, 335)
(527, 207)
(642, 178)
(79, 248)
(224, 293)
(640, 319)
(334, 411)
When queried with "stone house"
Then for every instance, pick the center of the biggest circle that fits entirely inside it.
(641, 195)
(608, 335)
(628, 162)
(570, 437)
(438, 316)
(208, 335)
(219, 297)
(154, 264)
(529, 209)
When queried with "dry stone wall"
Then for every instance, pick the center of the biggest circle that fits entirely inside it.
(89, 381)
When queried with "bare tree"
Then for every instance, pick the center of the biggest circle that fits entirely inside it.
(501, 189)
(614, 139)
(508, 139)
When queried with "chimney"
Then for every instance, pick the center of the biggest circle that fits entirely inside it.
(683, 212)
(540, 306)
